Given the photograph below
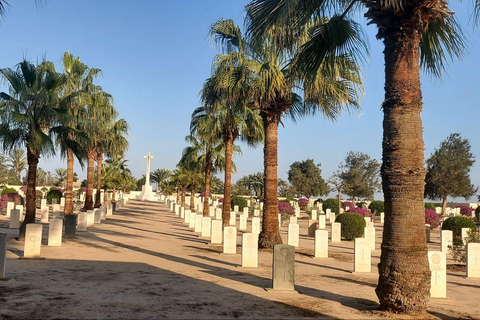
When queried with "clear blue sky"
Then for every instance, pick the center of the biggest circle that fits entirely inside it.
(155, 56)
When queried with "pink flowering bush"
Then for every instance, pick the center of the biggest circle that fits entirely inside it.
(432, 218)
(348, 204)
(221, 200)
(466, 211)
(362, 212)
(286, 210)
(24, 189)
(10, 197)
(302, 203)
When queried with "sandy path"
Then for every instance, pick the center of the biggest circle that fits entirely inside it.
(143, 262)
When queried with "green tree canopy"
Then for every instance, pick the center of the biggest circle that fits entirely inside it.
(307, 179)
(448, 170)
(360, 175)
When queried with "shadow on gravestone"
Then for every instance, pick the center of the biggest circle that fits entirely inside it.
(283, 279)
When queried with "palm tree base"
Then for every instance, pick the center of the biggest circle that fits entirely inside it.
(269, 239)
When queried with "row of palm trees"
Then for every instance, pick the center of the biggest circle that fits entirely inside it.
(45, 110)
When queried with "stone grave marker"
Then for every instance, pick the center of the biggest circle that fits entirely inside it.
(103, 212)
(43, 203)
(438, 266)
(256, 225)
(90, 218)
(243, 223)
(297, 212)
(233, 218)
(283, 268)
(322, 222)
(3, 254)
(14, 219)
(10, 206)
(438, 210)
(235, 208)
(211, 211)
(97, 216)
(33, 241)
(336, 232)
(293, 235)
(55, 231)
(312, 226)
(382, 217)
(473, 260)
(184, 212)
(327, 213)
(20, 208)
(245, 211)
(446, 240)
(321, 244)
(62, 202)
(198, 223)
(314, 214)
(369, 234)
(465, 234)
(218, 214)
(249, 250)
(427, 231)
(230, 240)
(216, 232)
(54, 201)
(70, 225)
(363, 256)
(206, 226)
(109, 209)
(192, 220)
(332, 217)
(367, 221)
(293, 220)
(44, 215)
(82, 221)
(256, 213)
(279, 216)
(186, 217)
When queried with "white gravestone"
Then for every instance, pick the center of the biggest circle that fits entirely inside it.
(245, 211)
(446, 240)
(43, 203)
(90, 218)
(256, 225)
(363, 256)
(230, 240)
(336, 232)
(82, 221)
(321, 244)
(367, 221)
(218, 214)
(33, 240)
(14, 219)
(314, 214)
(109, 210)
(327, 213)
(20, 208)
(382, 217)
(103, 212)
(297, 212)
(332, 217)
(473, 260)
(438, 266)
(427, 231)
(193, 219)
(369, 234)
(184, 212)
(249, 250)
(55, 231)
(322, 222)
(293, 235)
(97, 215)
(243, 223)
(54, 201)
(211, 211)
(216, 231)
(256, 213)
(198, 223)
(465, 232)
(279, 218)
(293, 220)
(10, 206)
(44, 215)
(186, 216)
(233, 218)
(206, 226)
(235, 208)
(62, 202)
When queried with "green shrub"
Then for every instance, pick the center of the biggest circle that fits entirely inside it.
(376, 207)
(331, 204)
(477, 213)
(238, 201)
(353, 225)
(10, 197)
(9, 191)
(430, 206)
(54, 194)
(459, 249)
(456, 224)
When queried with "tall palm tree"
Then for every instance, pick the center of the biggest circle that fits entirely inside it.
(414, 33)
(190, 162)
(160, 175)
(28, 115)
(272, 85)
(17, 161)
(115, 171)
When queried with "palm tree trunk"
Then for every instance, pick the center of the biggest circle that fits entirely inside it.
(178, 195)
(270, 234)
(99, 180)
(69, 189)
(208, 170)
(32, 159)
(227, 189)
(192, 194)
(183, 196)
(113, 193)
(105, 193)
(404, 275)
(90, 167)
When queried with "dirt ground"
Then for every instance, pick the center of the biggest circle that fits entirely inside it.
(144, 263)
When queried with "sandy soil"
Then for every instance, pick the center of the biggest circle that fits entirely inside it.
(143, 262)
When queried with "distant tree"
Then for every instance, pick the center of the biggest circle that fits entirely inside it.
(17, 161)
(159, 176)
(341, 187)
(285, 189)
(253, 182)
(307, 179)
(61, 174)
(7, 175)
(361, 174)
(448, 170)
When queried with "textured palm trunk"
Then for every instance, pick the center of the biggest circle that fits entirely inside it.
(227, 190)
(105, 193)
(404, 276)
(99, 181)
(69, 189)
(183, 196)
(178, 195)
(208, 170)
(32, 160)
(270, 235)
(90, 168)
(192, 194)
(113, 193)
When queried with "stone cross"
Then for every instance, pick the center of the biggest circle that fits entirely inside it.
(147, 175)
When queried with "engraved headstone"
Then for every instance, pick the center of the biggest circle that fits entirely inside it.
(33, 240)
(43, 203)
(256, 225)
(297, 212)
(249, 250)
(369, 233)
(14, 219)
(82, 221)
(235, 208)
(473, 260)
(363, 256)
(230, 240)
(322, 222)
(293, 235)
(314, 214)
(256, 213)
(233, 218)
(216, 232)
(312, 226)
(438, 267)
(243, 223)
(62, 202)
(245, 211)
(103, 212)
(54, 201)
(382, 217)
(55, 231)
(186, 216)
(20, 208)
(44, 215)
(206, 226)
(97, 215)
(446, 240)
(336, 232)
(211, 211)
(70, 225)
(332, 217)
(293, 220)
(327, 213)
(321, 244)
(198, 223)
(218, 214)
(193, 219)
(109, 209)
(283, 268)
(90, 218)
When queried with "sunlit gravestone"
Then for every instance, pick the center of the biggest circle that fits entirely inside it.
(283, 268)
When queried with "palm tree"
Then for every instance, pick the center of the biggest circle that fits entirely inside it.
(160, 175)
(115, 172)
(414, 33)
(191, 164)
(28, 114)
(17, 161)
(271, 85)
